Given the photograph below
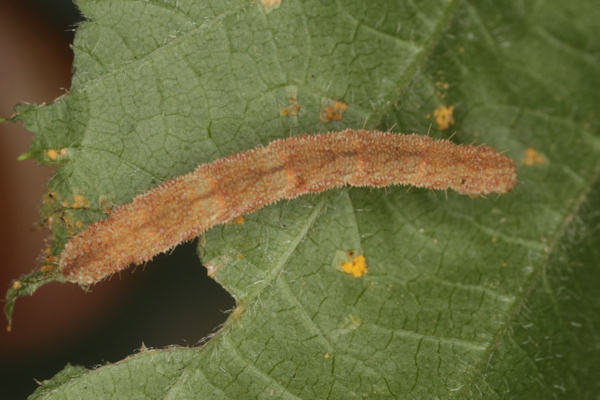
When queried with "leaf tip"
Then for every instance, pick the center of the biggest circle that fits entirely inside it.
(26, 286)
(24, 156)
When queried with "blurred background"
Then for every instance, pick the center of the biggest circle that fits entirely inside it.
(169, 301)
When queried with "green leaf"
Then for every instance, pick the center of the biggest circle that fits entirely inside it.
(465, 298)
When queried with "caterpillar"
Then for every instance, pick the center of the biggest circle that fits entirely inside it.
(215, 193)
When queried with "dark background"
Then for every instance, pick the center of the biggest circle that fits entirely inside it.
(169, 301)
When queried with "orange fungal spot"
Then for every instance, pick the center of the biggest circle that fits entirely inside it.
(80, 201)
(357, 267)
(52, 154)
(17, 285)
(532, 157)
(240, 220)
(332, 110)
(444, 116)
(292, 109)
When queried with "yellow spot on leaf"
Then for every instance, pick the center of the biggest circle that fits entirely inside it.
(357, 267)
(292, 109)
(532, 157)
(17, 285)
(80, 201)
(332, 110)
(494, 239)
(444, 116)
(79, 223)
(52, 154)
(326, 355)
(240, 220)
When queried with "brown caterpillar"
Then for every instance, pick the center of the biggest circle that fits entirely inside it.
(184, 207)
